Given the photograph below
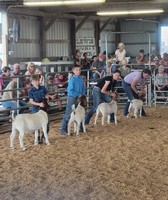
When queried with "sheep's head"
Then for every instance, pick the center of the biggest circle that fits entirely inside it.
(82, 100)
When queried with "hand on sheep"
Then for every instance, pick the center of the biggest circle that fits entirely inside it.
(141, 95)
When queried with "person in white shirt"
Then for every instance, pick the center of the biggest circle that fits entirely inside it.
(120, 53)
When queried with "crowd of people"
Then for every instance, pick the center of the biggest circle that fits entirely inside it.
(35, 86)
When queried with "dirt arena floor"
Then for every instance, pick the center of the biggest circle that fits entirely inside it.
(124, 162)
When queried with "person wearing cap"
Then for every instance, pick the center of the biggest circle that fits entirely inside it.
(120, 53)
(103, 90)
(130, 83)
(161, 80)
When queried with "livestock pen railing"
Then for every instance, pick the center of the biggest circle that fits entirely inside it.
(56, 112)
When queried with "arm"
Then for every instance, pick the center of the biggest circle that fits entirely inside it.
(36, 103)
(104, 89)
(133, 85)
(140, 58)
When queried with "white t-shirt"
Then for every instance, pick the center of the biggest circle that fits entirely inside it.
(120, 55)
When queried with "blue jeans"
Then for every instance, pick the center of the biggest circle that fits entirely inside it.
(13, 104)
(131, 95)
(64, 124)
(97, 97)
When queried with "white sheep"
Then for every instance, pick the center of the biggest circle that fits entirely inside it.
(106, 110)
(25, 123)
(78, 116)
(136, 105)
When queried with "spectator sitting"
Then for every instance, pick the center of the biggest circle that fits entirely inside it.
(142, 59)
(155, 65)
(78, 58)
(161, 80)
(124, 69)
(120, 53)
(30, 70)
(10, 96)
(16, 72)
(96, 67)
(106, 71)
(4, 80)
(164, 62)
(53, 90)
(40, 72)
(61, 81)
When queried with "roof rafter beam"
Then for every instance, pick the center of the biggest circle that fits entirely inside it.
(105, 24)
(50, 23)
(81, 23)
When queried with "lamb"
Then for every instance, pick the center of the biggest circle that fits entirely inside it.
(29, 122)
(106, 109)
(78, 116)
(135, 104)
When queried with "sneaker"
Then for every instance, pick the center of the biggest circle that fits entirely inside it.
(63, 135)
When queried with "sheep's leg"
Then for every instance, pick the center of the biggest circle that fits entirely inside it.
(12, 136)
(103, 118)
(96, 117)
(21, 140)
(77, 128)
(36, 137)
(108, 119)
(129, 110)
(69, 127)
(135, 113)
(45, 134)
(140, 112)
(83, 125)
(115, 118)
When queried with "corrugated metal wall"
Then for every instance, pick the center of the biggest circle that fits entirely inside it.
(110, 38)
(58, 39)
(28, 45)
(135, 42)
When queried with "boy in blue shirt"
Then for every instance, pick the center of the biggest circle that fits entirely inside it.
(37, 95)
(75, 89)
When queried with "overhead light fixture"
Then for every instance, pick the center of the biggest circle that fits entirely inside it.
(59, 2)
(135, 12)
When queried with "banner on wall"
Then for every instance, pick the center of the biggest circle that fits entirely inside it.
(86, 45)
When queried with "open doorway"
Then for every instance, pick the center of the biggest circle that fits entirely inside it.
(164, 40)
